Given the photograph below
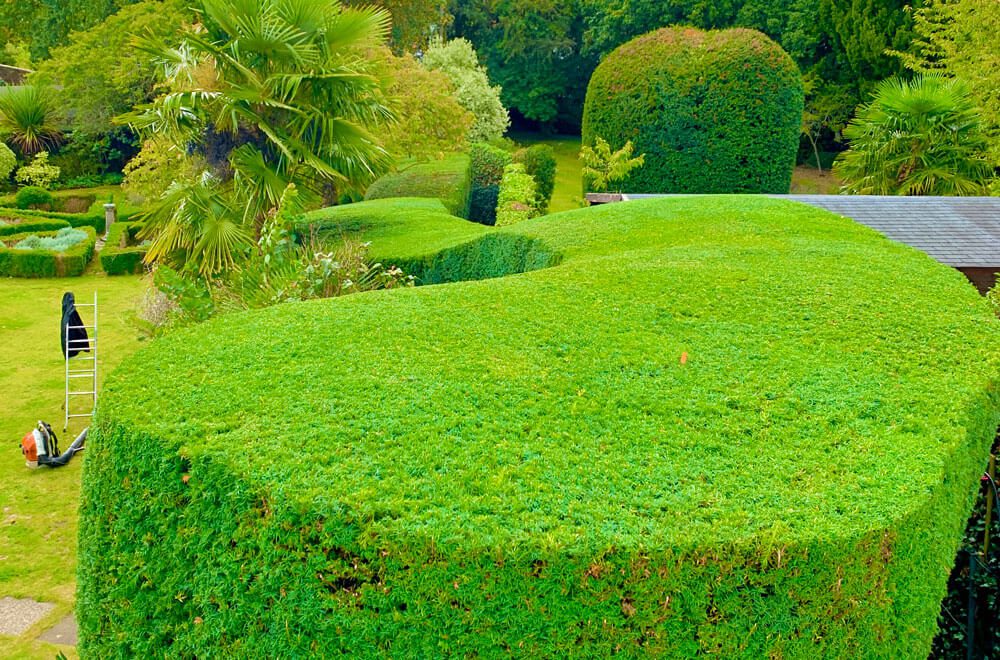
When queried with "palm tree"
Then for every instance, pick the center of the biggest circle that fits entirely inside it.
(271, 93)
(917, 137)
(28, 118)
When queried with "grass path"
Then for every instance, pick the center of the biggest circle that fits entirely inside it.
(569, 171)
(38, 508)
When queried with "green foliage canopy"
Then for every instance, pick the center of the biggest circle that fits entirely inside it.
(959, 39)
(917, 137)
(100, 74)
(430, 122)
(273, 93)
(457, 59)
(712, 112)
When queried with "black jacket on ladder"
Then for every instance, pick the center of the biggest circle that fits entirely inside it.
(71, 317)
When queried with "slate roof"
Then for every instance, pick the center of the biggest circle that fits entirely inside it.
(962, 232)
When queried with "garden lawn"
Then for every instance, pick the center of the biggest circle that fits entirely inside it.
(38, 508)
(735, 426)
(568, 192)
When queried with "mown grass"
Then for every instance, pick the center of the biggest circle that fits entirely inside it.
(39, 507)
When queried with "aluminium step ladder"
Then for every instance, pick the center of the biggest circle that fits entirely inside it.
(81, 376)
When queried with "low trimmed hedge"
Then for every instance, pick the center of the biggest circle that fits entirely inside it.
(96, 221)
(12, 226)
(45, 263)
(120, 255)
(734, 426)
(446, 180)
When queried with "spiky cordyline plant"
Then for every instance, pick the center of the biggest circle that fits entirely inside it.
(288, 81)
(28, 118)
(916, 137)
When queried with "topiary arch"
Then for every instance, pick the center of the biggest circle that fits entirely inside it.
(714, 112)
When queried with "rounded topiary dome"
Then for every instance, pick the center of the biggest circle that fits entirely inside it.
(714, 112)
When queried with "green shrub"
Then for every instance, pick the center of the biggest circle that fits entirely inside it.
(41, 262)
(33, 197)
(38, 172)
(713, 112)
(447, 180)
(121, 255)
(540, 162)
(526, 466)
(518, 196)
(63, 240)
(8, 162)
(488, 163)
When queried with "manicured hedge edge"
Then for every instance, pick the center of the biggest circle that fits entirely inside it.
(117, 257)
(32, 226)
(44, 263)
(447, 180)
(252, 568)
(94, 220)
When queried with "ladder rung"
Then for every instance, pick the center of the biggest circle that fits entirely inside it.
(79, 327)
(81, 393)
(90, 414)
(77, 357)
(90, 375)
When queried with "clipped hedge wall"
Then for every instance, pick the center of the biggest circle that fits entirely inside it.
(447, 180)
(713, 112)
(12, 226)
(539, 161)
(45, 263)
(488, 163)
(518, 196)
(120, 255)
(526, 466)
(96, 221)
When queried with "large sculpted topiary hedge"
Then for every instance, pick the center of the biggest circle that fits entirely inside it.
(526, 466)
(713, 112)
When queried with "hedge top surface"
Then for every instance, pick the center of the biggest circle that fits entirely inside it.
(398, 227)
(830, 376)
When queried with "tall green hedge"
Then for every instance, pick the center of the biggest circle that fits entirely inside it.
(120, 255)
(45, 263)
(711, 429)
(714, 112)
(447, 179)
(488, 163)
(539, 161)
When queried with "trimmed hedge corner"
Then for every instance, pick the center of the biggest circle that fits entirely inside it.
(713, 112)
(45, 263)
(446, 180)
(120, 255)
(731, 426)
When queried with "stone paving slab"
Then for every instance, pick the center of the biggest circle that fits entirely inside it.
(63, 632)
(17, 615)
